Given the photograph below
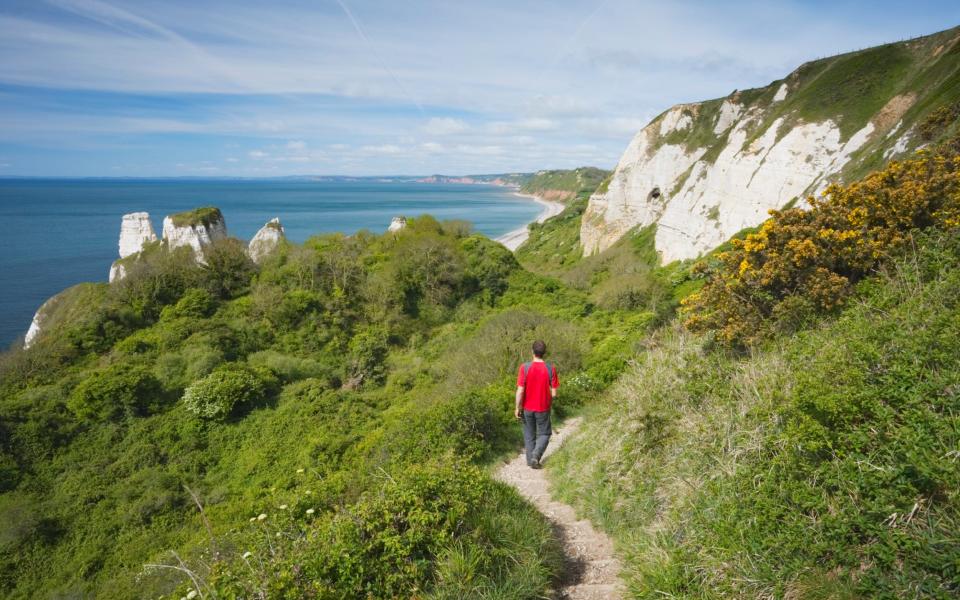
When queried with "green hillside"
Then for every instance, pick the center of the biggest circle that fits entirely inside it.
(901, 88)
(564, 185)
(352, 390)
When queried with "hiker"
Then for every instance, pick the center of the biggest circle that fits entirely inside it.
(537, 385)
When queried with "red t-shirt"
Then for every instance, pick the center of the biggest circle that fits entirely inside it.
(536, 391)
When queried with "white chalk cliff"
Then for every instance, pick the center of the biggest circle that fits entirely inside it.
(195, 230)
(397, 223)
(196, 234)
(135, 231)
(702, 172)
(266, 240)
(36, 325)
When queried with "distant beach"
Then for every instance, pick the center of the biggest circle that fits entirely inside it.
(513, 239)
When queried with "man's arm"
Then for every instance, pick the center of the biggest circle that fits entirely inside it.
(518, 407)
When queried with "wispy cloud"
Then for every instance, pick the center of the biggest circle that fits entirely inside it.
(369, 86)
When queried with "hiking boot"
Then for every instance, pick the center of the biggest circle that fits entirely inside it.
(536, 465)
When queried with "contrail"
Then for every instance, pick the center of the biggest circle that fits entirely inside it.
(373, 49)
(122, 20)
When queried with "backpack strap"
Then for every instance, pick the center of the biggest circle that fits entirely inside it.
(526, 369)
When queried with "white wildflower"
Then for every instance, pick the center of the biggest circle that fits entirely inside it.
(283, 507)
(247, 554)
(261, 516)
(191, 594)
(309, 511)
(252, 519)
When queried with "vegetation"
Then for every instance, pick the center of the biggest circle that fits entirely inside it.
(565, 184)
(351, 390)
(821, 465)
(322, 425)
(198, 216)
(802, 262)
(908, 88)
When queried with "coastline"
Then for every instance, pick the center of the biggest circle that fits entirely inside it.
(513, 239)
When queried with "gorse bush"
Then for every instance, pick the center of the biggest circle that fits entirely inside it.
(803, 262)
(822, 465)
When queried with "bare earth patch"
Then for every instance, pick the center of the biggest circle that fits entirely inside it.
(592, 569)
(893, 111)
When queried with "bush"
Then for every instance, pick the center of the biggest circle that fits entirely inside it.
(804, 262)
(502, 342)
(489, 266)
(368, 357)
(292, 368)
(228, 269)
(176, 370)
(120, 389)
(224, 392)
(195, 302)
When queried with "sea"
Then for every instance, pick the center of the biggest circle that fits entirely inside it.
(60, 232)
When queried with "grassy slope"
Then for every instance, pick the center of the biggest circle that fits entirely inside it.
(86, 502)
(819, 466)
(849, 89)
(565, 184)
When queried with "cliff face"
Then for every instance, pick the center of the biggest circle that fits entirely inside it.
(197, 229)
(704, 171)
(135, 231)
(266, 240)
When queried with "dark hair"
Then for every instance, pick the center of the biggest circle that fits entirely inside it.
(539, 348)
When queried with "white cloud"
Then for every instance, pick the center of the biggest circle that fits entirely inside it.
(445, 126)
(383, 149)
(543, 89)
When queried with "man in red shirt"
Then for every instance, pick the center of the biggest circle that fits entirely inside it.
(537, 384)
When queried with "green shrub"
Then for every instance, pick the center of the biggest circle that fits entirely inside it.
(368, 357)
(502, 342)
(489, 266)
(228, 269)
(195, 302)
(292, 368)
(120, 389)
(176, 370)
(224, 392)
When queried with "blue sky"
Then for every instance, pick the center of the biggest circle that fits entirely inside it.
(170, 88)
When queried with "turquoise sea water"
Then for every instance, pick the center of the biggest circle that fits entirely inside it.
(60, 232)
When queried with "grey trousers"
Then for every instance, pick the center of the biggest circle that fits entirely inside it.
(536, 434)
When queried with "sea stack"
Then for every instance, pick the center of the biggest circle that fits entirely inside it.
(266, 240)
(135, 231)
(196, 228)
(397, 224)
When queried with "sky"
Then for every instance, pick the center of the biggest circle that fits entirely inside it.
(378, 87)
